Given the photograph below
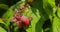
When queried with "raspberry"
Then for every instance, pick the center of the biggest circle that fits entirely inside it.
(17, 18)
(25, 20)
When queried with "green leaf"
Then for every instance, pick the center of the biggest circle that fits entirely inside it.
(58, 12)
(2, 24)
(9, 14)
(56, 24)
(1, 21)
(34, 22)
(2, 30)
(48, 6)
(37, 22)
(4, 6)
(56, 21)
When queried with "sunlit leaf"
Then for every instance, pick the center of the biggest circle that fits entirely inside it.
(8, 15)
(56, 24)
(56, 21)
(48, 6)
(2, 30)
(3, 24)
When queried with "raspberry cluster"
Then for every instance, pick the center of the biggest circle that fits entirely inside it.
(21, 20)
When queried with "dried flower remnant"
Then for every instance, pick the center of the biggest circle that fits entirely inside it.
(27, 5)
(22, 7)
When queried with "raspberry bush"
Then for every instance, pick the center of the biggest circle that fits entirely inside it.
(29, 15)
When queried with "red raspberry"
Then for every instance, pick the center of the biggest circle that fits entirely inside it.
(25, 20)
(17, 18)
